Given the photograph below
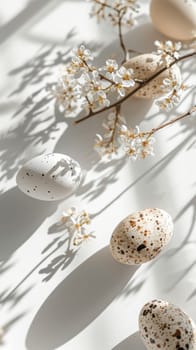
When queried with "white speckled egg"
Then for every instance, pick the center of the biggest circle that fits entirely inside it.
(174, 18)
(165, 326)
(49, 177)
(141, 236)
(146, 65)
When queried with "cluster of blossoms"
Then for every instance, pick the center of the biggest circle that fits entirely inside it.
(136, 144)
(75, 223)
(106, 144)
(168, 51)
(84, 86)
(117, 136)
(174, 96)
(115, 10)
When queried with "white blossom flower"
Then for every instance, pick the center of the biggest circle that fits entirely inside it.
(75, 223)
(66, 93)
(98, 99)
(168, 50)
(136, 144)
(67, 218)
(81, 238)
(108, 144)
(82, 53)
(104, 145)
(145, 146)
(124, 80)
(110, 68)
(115, 9)
(175, 92)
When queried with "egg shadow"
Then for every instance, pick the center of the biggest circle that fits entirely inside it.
(132, 342)
(20, 216)
(78, 300)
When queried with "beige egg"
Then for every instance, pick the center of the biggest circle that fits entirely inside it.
(174, 18)
(146, 65)
(165, 326)
(141, 236)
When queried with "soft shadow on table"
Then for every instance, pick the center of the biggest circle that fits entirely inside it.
(153, 170)
(62, 259)
(34, 126)
(6, 326)
(189, 240)
(20, 216)
(133, 342)
(32, 9)
(35, 129)
(78, 300)
(134, 39)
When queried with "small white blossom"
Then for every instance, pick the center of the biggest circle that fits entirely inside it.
(81, 238)
(106, 145)
(75, 223)
(124, 80)
(82, 53)
(175, 92)
(115, 9)
(136, 144)
(98, 99)
(110, 68)
(66, 93)
(168, 50)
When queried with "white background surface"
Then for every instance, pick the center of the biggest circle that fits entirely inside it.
(89, 302)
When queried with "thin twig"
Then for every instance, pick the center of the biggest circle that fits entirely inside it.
(133, 92)
(106, 5)
(122, 44)
(182, 116)
(115, 123)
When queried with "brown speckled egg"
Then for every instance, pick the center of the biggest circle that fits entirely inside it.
(141, 236)
(174, 18)
(146, 65)
(165, 326)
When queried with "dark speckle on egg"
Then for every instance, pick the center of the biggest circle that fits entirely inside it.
(165, 326)
(140, 247)
(48, 177)
(139, 239)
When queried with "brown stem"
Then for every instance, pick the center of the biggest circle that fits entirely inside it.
(122, 44)
(192, 110)
(106, 5)
(120, 16)
(115, 123)
(141, 85)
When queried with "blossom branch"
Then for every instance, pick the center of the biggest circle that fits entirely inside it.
(138, 144)
(122, 44)
(117, 114)
(106, 144)
(185, 115)
(103, 4)
(119, 13)
(139, 87)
